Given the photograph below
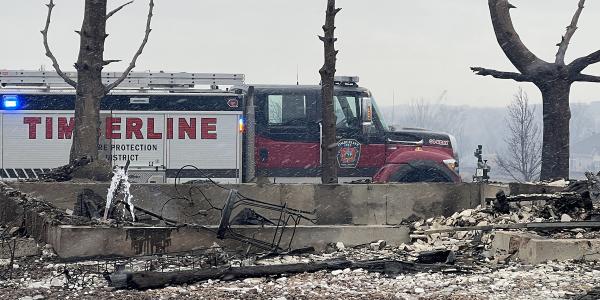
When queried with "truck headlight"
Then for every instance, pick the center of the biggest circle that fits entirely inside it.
(452, 164)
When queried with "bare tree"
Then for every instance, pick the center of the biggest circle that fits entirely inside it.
(329, 140)
(554, 79)
(523, 156)
(89, 87)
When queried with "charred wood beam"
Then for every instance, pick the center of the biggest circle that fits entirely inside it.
(111, 86)
(49, 53)
(532, 226)
(544, 197)
(166, 220)
(566, 39)
(502, 75)
(151, 280)
(114, 11)
(562, 202)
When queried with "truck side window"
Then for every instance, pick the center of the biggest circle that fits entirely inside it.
(346, 112)
(286, 110)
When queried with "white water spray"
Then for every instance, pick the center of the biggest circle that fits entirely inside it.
(120, 180)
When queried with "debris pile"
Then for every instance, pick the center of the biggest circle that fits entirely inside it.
(79, 168)
(572, 213)
(23, 204)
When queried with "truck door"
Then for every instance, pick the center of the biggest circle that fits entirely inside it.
(287, 140)
(359, 155)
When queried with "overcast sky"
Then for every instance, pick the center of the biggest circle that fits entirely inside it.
(413, 48)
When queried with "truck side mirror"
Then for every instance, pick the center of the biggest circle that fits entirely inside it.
(367, 111)
(366, 114)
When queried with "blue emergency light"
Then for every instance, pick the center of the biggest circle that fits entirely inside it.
(10, 102)
(242, 125)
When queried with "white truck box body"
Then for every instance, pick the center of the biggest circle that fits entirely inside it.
(37, 140)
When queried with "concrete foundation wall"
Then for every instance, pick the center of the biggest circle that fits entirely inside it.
(334, 204)
(42, 222)
(364, 204)
(74, 242)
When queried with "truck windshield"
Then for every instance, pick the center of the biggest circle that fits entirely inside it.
(378, 116)
(347, 108)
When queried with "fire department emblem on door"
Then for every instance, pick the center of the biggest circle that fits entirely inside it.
(348, 153)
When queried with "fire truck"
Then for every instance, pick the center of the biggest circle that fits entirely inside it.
(163, 123)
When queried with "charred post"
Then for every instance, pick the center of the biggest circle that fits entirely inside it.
(90, 89)
(329, 140)
(554, 79)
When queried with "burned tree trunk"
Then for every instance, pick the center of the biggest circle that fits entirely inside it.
(329, 141)
(89, 87)
(556, 114)
(554, 79)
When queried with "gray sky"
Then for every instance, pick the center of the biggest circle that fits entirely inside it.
(415, 48)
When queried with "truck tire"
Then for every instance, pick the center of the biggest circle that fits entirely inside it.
(422, 171)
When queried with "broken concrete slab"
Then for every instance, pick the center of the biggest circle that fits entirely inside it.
(19, 247)
(71, 242)
(534, 249)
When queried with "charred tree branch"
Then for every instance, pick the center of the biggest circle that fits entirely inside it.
(138, 53)
(502, 75)
(586, 78)
(581, 63)
(566, 39)
(110, 61)
(114, 11)
(55, 64)
(508, 39)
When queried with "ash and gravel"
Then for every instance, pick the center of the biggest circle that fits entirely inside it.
(44, 277)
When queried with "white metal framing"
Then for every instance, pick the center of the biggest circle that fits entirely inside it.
(12, 78)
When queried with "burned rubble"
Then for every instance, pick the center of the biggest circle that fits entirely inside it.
(45, 277)
(447, 257)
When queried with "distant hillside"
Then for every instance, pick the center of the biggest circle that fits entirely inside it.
(486, 126)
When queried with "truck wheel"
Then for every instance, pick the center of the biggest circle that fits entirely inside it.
(422, 171)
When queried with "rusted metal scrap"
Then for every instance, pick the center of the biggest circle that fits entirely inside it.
(285, 224)
(287, 221)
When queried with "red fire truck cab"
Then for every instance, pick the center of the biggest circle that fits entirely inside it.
(288, 138)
